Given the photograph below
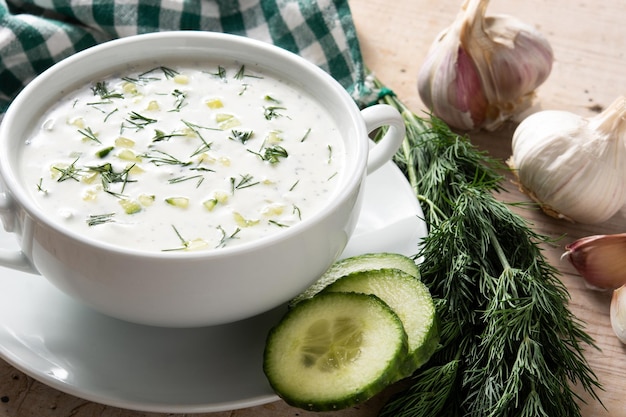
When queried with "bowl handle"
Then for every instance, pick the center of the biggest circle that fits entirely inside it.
(377, 116)
(11, 258)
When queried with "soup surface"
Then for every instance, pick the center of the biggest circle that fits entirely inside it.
(185, 157)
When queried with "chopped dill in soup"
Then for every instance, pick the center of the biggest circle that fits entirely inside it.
(186, 157)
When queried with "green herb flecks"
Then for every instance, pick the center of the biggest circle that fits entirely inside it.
(109, 176)
(89, 134)
(40, 187)
(272, 154)
(226, 237)
(241, 74)
(205, 146)
(221, 72)
(160, 135)
(272, 112)
(166, 71)
(139, 121)
(509, 345)
(179, 102)
(241, 135)
(297, 212)
(275, 223)
(160, 158)
(177, 180)
(244, 182)
(97, 219)
(70, 172)
(101, 90)
(184, 242)
(306, 135)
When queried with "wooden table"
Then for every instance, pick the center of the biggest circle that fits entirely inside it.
(589, 42)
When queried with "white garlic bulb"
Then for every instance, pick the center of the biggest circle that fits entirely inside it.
(483, 70)
(575, 167)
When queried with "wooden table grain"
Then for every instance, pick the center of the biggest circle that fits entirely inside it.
(589, 42)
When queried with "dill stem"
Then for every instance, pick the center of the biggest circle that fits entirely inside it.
(495, 243)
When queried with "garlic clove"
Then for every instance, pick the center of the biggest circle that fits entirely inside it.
(618, 313)
(600, 260)
(575, 167)
(481, 70)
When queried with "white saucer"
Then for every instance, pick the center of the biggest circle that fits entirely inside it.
(78, 351)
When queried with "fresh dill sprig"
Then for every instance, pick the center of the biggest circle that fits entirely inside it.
(225, 237)
(272, 154)
(184, 242)
(139, 121)
(96, 219)
(177, 180)
(195, 128)
(297, 212)
(109, 176)
(306, 135)
(221, 72)
(272, 112)
(167, 72)
(509, 345)
(241, 73)
(101, 89)
(40, 187)
(160, 135)
(244, 182)
(160, 158)
(179, 101)
(70, 172)
(89, 134)
(241, 135)
(275, 223)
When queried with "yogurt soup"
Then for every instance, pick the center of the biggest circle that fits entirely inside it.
(183, 157)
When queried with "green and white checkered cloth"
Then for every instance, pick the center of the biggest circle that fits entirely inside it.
(35, 34)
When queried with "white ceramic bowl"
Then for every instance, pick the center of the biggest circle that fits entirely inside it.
(199, 288)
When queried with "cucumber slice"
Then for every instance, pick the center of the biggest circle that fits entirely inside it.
(409, 298)
(365, 262)
(334, 351)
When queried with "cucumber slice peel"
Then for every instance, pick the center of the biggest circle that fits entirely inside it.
(364, 262)
(335, 350)
(409, 298)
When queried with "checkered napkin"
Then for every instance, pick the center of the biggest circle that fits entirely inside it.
(35, 34)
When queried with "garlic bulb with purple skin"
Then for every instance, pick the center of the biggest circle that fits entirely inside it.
(483, 70)
(600, 260)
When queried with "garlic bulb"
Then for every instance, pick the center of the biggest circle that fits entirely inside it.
(618, 313)
(600, 259)
(481, 71)
(575, 167)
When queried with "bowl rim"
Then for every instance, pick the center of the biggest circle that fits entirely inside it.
(15, 192)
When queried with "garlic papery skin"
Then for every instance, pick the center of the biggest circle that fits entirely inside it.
(483, 70)
(600, 260)
(574, 167)
(618, 313)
